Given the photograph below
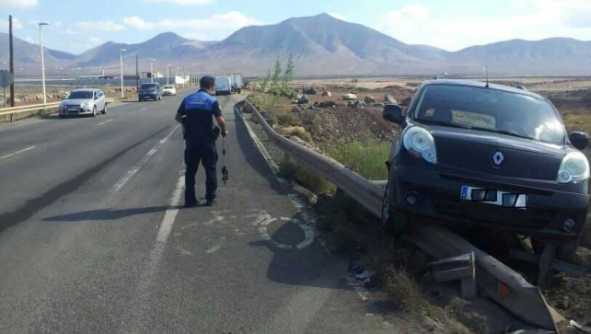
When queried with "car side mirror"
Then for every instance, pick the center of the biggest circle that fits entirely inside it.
(393, 113)
(579, 139)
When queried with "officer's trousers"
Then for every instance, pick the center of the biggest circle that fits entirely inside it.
(208, 157)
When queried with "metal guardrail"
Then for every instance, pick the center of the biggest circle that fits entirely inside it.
(34, 107)
(495, 280)
(27, 108)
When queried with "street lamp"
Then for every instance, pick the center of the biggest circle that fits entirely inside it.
(168, 74)
(41, 24)
(121, 67)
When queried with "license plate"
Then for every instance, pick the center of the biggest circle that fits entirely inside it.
(493, 197)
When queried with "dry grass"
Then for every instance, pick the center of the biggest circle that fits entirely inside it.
(296, 131)
(405, 291)
(581, 122)
(289, 170)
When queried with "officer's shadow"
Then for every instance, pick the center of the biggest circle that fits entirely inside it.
(106, 214)
(297, 261)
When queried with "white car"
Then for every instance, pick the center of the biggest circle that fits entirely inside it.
(85, 101)
(169, 90)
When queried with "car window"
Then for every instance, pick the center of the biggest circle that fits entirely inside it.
(490, 110)
(82, 94)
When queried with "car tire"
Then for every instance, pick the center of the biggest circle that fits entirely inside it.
(394, 221)
(567, 250)
(94, 111)
(104, 112)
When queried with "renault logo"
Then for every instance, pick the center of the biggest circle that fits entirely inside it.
(498, 159)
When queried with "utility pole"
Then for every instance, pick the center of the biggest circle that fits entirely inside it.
(41, 24)
(137, 75)
(121, 68)
(11, 62)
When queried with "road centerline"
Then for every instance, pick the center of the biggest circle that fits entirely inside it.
(10, 155)
(105, 122)
(136, 168)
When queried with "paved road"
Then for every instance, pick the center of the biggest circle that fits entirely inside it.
(92, 239)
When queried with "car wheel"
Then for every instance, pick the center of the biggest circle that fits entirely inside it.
(105, 109)
(394, 221)
(94, 111)
(567, 250)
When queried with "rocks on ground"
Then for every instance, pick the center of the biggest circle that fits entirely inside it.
(309, 91)
(326, 104)
(389, 99)
(302, 99)
(349, 97)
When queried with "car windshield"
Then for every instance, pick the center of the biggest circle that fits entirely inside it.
(168, 87)
(81, 94)
(149, 87)
(492, 110)
(222, 84)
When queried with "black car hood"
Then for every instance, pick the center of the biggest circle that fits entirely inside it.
(473, 150)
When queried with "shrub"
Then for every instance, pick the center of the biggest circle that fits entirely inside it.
(368, 159)
(290, 170)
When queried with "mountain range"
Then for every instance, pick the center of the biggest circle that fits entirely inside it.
(321, 46)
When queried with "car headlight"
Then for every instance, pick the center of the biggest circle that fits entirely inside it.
(574, 168)
(420, 142)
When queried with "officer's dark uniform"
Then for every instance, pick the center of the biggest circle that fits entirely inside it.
(200, 136)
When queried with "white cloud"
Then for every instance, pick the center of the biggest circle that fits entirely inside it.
(107, 26)
(183, 2)
(533, 19)
(138, 23)
(18, 3)
(213, 27)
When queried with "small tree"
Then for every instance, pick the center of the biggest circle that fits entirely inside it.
(276, 73)
(289, 70)
(265, 83)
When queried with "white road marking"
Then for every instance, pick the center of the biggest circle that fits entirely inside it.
(156, 253)
(105, 122)
(216, 247)
(264, 220)
(170, 214)
(135, 169)
(10, 155)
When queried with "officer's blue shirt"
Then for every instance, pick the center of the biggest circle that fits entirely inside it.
(199, 109)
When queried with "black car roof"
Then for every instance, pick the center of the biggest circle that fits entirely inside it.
(481, 84)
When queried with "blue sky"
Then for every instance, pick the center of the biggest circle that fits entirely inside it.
(76, 25)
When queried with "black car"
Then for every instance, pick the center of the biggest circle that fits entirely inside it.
(150, 91)
(488, 155)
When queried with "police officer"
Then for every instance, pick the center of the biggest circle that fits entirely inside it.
(196, 113)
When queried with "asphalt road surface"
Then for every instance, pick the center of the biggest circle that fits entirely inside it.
(92, 238)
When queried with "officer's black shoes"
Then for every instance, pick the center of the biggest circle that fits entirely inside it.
(210, 202)
(191, 204)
